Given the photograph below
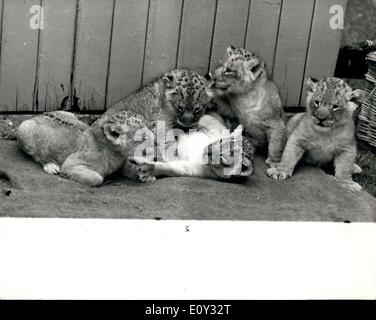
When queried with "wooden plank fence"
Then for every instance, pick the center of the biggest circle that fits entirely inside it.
(87, 54)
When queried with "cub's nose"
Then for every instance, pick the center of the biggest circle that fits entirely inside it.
(322, 115)
(188, 117)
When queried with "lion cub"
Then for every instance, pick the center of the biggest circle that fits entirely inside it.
(243, 93)
(210, 152)
(324, 133)
(63, 144)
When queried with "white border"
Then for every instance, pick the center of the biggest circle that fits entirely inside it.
(142, 259)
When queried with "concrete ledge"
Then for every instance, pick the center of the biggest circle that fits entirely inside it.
(311, 195)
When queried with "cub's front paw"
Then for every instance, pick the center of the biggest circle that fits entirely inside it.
(51, 168)
(271, 163)
(351, 185)
(144, 170)
(279, 173)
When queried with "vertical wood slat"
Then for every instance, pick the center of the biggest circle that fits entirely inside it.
(291, 52)
(324, 44)
(18, 57)
(230, 28)
(162, 38)
(262, 31)
(196, 34)
(56, 53)
(94, 26)
(127, 51)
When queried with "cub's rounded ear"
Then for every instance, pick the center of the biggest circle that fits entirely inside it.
(355, 99)
(208, 76)
(238, 132)
(263, 64)
(209, 80)
(112, 131)
(230, 49)
(357, 96)
(209, 85)
(168, 80)
(311, 83)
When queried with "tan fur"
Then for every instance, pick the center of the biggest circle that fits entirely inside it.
(325, 133)
(243, 93)
(63, 144)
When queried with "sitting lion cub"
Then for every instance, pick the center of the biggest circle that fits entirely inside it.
(243, 93)
(63, 144)
(324, 133)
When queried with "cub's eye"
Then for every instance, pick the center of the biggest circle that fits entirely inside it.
(229, 71)
(115, 134)
(336, 108)
(180, 109)
(316, 103)
(254, 69)
(198, 110)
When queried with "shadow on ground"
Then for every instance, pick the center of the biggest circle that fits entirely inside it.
(311, 195)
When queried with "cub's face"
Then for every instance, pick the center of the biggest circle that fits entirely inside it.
(120, 130)
(331, 102)
(186, 96)
(238, 72)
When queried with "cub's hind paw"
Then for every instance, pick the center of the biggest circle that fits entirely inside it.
(83, 176)
(51, 168)
(278, 173)
(144, 169)
(357, 169)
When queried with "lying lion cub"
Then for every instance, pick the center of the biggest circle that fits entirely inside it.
(211, 152)
(325, 133)
(63, 144)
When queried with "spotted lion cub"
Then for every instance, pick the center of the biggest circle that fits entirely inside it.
(63, 144)
(324, 133)
(178, 98)
(243, 93)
